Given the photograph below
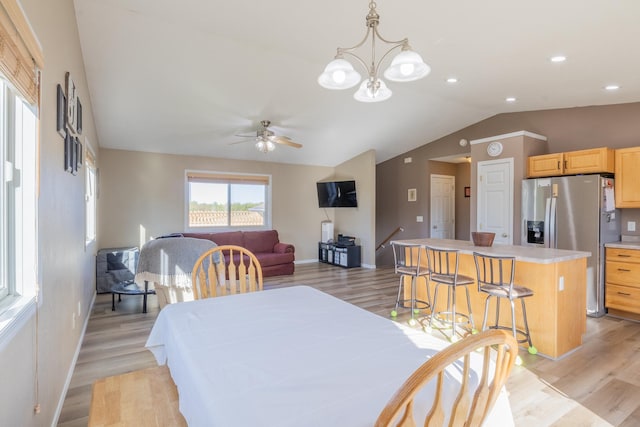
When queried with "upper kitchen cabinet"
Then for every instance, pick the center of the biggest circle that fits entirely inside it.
(628, 178)
(545, 165)
(595, 160)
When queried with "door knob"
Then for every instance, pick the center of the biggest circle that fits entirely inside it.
(504, 234)
(435, 226)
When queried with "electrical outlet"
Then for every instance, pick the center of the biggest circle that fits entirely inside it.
(561, 283)
(631, 226)
(408, 159)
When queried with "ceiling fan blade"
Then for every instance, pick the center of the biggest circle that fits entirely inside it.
(286, 141)
(245, 135)
(242, 141)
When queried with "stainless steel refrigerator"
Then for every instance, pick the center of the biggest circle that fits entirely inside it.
(575, 213)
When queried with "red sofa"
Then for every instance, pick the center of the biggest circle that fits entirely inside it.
(276, 258)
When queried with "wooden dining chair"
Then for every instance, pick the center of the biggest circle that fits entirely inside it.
(471, 405)
(226, 270)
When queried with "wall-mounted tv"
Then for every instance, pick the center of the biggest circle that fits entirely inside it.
(337, 194)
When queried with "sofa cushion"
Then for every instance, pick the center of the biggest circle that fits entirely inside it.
(260, 242)
(225, 238)
(267, 260)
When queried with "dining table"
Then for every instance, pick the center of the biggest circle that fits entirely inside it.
(295, 356)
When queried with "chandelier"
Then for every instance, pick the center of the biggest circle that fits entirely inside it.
(406, 66)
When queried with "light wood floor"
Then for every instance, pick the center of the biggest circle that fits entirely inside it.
(597, 385)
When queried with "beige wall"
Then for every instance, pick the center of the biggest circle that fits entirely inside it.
(142, 196)
(360, 222)
(66, 268)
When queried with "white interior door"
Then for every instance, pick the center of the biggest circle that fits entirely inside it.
(443, 206)
(495, 199)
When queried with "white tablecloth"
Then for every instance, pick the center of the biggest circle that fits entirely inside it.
(289, 357)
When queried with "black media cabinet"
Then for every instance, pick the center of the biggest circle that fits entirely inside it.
(347, 256)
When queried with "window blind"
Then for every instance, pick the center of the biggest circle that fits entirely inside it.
(20, 52)
(223, 178)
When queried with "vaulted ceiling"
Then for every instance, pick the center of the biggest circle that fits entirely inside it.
(186, 77)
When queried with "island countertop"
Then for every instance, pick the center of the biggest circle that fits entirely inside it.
(533, 254)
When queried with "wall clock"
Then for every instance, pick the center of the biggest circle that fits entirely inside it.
(494, 149)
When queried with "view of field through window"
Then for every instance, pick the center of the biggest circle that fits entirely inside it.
(213, 204)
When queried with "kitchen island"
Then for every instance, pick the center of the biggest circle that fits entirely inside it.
(557, 310)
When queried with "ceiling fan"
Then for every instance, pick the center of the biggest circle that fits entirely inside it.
(266, 139)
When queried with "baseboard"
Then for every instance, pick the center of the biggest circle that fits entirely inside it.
(73, 364)
(305, 261)
(311, 261)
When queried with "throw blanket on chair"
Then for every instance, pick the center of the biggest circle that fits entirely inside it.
(167, 263)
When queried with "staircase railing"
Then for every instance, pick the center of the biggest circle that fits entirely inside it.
(385, 241)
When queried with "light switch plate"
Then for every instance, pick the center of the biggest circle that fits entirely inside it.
(419, 218)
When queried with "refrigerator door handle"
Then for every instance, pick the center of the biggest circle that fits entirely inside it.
(547, 222)
(553, 232)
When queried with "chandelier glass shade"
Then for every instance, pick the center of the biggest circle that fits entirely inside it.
(372, 91)
(406, 65)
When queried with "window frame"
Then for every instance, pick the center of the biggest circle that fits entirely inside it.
(232, 177)
(20, 237)
(91, 194)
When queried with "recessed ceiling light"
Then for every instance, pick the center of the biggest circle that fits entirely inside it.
(510, 99)
(558, 58)
(452, 80)
(612, 87)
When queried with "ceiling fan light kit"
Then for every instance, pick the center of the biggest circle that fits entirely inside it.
(266, 139)
(406, 66)
(265, 146)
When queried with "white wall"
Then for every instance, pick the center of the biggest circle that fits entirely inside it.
(66, 268)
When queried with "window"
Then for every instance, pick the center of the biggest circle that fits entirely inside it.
(17, 197)
(91, 189)
(222, 200)
(20, 65)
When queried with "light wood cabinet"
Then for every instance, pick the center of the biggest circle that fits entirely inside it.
(596, 160)
(622, 278)
(628, 177)
(545, 165)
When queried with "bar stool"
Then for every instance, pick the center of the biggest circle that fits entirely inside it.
(408, 263)
(443, 267)
(495, 276)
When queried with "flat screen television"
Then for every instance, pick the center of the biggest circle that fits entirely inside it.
(337, 194)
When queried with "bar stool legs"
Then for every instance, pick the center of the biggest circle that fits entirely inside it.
(415, 304)
(524, 333)
(452, 312)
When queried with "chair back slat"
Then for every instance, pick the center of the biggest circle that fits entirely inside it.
(463, 401)
(463, 412)
(443, 261)
(409, 259)
(495, 271)
(436, 416)
(226, 270)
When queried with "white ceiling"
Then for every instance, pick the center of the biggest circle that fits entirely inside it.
(185, 76)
